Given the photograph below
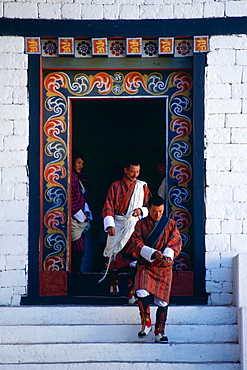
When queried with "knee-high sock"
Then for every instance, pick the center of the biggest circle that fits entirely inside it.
(144, 312)
(161, 315)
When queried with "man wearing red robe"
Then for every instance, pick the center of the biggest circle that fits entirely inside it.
(126, 202)
(156, 242)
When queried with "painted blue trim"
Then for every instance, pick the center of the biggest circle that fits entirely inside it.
(123, 28)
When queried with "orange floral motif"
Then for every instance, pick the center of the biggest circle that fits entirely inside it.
(103, 82)
(182, 81)
(181, 172)
(54, 263)
(54, 81)
(133, 81)
(53, 173)
(54, 127)
(182, 126)
(54, 219)
(182, 218)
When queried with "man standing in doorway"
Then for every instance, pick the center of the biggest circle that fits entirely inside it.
(126, 202)
(157, 242)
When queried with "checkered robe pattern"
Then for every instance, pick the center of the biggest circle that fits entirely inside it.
(77, 202)
(155, 277)
(117, 203)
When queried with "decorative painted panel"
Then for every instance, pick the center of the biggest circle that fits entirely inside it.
(59, 86)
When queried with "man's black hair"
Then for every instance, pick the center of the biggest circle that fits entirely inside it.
(133, 162)
(156, 201)
(77, 154)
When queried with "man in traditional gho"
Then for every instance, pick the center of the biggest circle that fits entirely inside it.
(81, 214)
(156, 242)
(126, 202)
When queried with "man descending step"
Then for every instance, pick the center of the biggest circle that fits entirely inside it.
(157, 242)
(126, 202)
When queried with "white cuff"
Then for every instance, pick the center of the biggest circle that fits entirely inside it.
(144, 212)
(79, 216)
(169, 252)
(108, 222)
(146, 252)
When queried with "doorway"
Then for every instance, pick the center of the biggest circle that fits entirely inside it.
(110, 132)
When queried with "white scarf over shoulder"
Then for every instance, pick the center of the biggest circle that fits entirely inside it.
(124, 225)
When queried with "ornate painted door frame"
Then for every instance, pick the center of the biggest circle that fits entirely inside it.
(61, 86)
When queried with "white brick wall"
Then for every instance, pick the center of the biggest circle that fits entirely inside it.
(122, 9)
(226, 150)
(225, 133)
(13, 174)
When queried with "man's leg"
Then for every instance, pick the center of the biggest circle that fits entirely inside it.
(131, 283)
(143, 302)
(114, 288)
(161, 315)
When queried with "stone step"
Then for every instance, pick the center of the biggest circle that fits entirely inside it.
(114, 334)
(124, 366)
(115, 352)
(108, 315)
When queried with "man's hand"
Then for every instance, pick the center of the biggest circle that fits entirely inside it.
(167, 259)
(111, 231)
(87, 214)
(158, 255)
(137, 212)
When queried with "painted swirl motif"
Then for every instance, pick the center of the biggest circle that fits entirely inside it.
(182, 127)
(185, 239)
(179, 105)
(155, 84)
(54, 127)
(133, 81)
(182, 81)
(182, 218)
(53, 82)
(103, 82)
(56, 196)
(53, 174)
(182, 262)
(179, 149)
(55, 241)
(80, 86)
(178, 195)
(53, 219)
(54, 263)
(56, 105)
(181, 172)
(57, 150)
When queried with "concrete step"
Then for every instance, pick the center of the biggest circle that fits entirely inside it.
(108, 315)
(105, 337)
(124, 366)
(114, 334)
(124, 352)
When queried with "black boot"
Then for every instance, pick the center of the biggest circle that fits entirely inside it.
(145, 317)
(161, 315)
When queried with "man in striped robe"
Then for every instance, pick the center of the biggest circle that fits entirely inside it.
(156, 242)
(126, 202)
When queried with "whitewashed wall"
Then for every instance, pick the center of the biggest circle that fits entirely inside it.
(13, 170)
(119, 9)
(225, 134)
(226, 164)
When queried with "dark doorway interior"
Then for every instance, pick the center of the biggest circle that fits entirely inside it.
(109, 132)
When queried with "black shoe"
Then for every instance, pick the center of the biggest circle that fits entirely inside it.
(161, 338)
(143, 334)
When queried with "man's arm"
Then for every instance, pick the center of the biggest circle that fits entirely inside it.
(108, 212)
